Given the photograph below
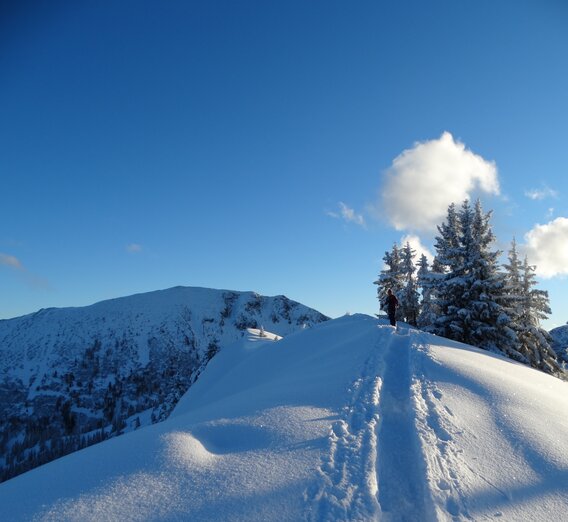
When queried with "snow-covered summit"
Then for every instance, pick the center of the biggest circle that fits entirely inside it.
(348, 420)
(75, 376)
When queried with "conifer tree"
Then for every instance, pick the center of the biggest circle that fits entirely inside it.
(427, 281)
(528, 307)
(447, 261)
(454, 245)
(390, 276)
(513, 300)
(471, 291)
(448, 253)
(491, 326)
(409, 297)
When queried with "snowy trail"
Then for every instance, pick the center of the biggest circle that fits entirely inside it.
(374, 468)
(401, 472)
(347, 488)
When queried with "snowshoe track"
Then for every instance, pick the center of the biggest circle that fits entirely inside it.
(436, 432)
(347, 486)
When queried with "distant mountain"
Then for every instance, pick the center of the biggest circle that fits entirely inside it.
(72, 377)
(560, 341)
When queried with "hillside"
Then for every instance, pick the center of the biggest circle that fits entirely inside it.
(348, 420)
(72, 377)
(560, 342)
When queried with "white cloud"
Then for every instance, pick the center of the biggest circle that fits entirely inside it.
(11, 261)
(546, 246)
(424, 180)
(134, 248)
(540, 194)
(416, 244)
(348, 214)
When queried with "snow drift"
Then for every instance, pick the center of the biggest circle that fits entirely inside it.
(348, 420)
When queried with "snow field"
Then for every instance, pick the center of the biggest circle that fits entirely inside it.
(349, 420)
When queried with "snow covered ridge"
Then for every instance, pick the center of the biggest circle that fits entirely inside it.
(346, 421)
(75, 376)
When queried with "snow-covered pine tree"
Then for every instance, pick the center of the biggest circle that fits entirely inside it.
(455, 320)
(448, 260)
(409, 297)
(447, 243)
(390, 276)
(513, 284)
(513, 293)
(471, 292)
(528, 307)
(491, 326)
(427, 279)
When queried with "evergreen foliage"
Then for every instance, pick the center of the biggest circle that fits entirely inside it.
(470, 294)
(467, 296)
(409, 296)
(527, 307)
(427, 279)
(390, 277)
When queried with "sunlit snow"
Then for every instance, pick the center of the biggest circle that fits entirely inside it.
(348, 420)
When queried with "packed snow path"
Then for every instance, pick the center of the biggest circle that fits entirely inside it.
(375, 469)
(400, 464)
(346, 421)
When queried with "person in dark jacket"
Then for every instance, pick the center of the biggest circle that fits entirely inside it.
(391, 305)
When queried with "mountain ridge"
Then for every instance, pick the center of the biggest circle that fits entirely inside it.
(74, 376)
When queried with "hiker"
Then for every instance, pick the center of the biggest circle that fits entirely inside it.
(391, 303)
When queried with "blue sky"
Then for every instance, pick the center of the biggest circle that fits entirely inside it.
(250, 145)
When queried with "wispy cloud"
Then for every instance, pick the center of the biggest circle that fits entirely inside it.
(546, 247)
(348, 215)
(11, 261)
(542, 193)
(424, 180)
(134, 248)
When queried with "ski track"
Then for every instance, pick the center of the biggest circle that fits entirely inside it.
(347, 486)
(374, 468)
(391, 455)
